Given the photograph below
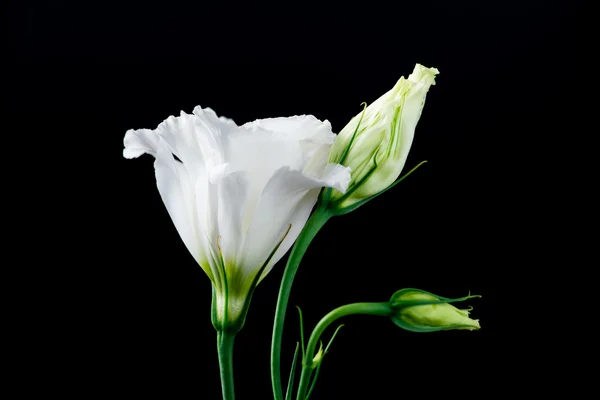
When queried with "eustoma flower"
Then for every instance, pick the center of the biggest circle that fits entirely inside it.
(376, 142)
(238, 195)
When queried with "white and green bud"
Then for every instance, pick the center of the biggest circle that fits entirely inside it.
(376, 142)
(419, 311)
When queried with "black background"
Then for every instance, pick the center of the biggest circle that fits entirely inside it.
(82, 73)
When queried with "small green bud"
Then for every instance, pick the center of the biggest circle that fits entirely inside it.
(319, 356)
(420, 311)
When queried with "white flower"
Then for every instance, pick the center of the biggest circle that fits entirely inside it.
(379, 148)
(238, 195)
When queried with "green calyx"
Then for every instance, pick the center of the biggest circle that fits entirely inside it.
(231, 297)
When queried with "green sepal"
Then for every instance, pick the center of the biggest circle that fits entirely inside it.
(351, 142)
(226, 323)
(395, 303)
(352, 207)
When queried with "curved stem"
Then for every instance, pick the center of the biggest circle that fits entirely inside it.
(313, 225)
(380, 309)
(225, 349)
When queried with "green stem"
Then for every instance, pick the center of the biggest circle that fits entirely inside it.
(225, 348)
(380, 309)
(313, 225)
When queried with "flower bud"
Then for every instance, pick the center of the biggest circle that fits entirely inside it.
(420, 311)
(376, 142)
(319, 356)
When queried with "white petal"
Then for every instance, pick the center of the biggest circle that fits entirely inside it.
(199, 140)
(196, 139)
(260, 153)
(315, 138)
(317, 166)
(232, 194)
(174, 186)
(255, 148)
(299, 127)
(211, 117)
(287, 199)
(176, 191)
(337, 177)
(138, 142)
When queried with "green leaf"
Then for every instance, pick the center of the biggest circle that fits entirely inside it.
(301, 332)
(290, 387)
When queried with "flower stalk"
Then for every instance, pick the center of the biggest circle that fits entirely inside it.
(311, 360)
(313, 225)
(225, 341)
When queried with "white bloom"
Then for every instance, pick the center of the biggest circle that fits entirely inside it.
(380, 147)
(233, 191)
